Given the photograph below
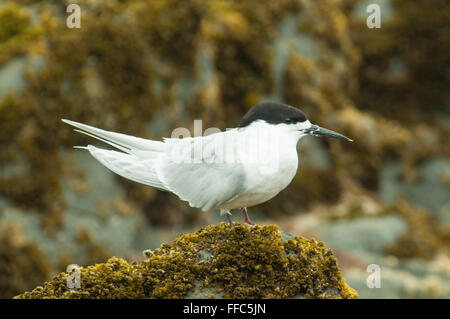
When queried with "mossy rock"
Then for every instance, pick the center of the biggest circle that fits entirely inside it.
(216, 261)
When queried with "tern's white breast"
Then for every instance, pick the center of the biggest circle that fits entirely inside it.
(269, 164)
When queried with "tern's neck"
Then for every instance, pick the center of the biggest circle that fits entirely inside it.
(269, 133)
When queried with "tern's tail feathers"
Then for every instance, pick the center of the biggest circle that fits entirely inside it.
(128, 166)
(126, 143)
(137, 161)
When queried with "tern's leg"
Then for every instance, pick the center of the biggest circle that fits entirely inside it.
(246, 219)
(227, 212)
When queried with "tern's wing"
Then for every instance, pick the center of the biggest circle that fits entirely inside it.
(195, 170)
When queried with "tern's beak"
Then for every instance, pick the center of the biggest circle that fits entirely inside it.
(316, 130)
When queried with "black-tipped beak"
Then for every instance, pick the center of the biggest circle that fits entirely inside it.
(316, 130)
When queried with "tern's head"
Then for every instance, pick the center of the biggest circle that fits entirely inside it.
(287, 118)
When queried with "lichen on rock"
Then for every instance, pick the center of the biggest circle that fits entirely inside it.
(216, 261)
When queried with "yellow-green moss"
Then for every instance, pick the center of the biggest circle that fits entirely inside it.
(13, 20)
(242, 262)
(16, 32)
(397, 61)
(424, 238)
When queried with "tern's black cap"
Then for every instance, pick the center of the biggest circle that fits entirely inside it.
(273, 113)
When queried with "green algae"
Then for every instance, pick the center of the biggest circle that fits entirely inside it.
(242, 262)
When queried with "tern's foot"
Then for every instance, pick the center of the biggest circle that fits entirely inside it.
(246, 218)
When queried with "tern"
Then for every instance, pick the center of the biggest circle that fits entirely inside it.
(234, 169)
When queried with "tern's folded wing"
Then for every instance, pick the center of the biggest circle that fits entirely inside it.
(205, 180)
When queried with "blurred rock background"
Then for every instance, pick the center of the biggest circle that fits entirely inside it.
(147, 67)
